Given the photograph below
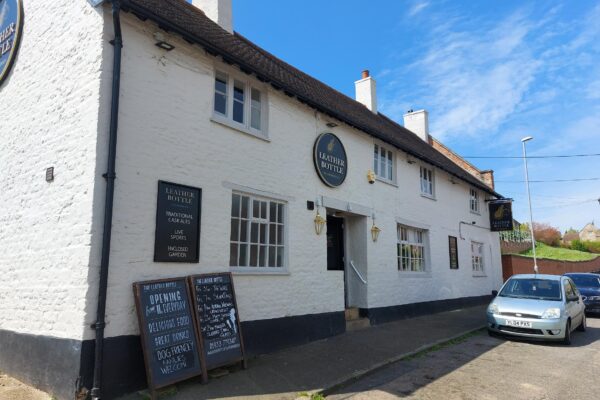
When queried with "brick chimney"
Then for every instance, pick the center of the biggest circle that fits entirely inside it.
(219, 11)
(418, 123)
(366, 91)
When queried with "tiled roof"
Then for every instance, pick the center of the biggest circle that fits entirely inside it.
(192, 24)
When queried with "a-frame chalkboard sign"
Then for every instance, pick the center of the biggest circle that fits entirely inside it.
(217, 319)
(170, 342)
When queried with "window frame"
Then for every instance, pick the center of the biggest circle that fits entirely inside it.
(236, 79)
(478, 260)
(250, 219)
(421, 180)
(377, 162)
(416, 237)
(474, 200)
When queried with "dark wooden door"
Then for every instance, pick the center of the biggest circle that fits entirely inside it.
(335, 243)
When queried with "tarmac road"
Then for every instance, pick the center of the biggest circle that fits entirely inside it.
(487, 368)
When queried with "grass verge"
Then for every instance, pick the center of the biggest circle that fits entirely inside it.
(558, 253)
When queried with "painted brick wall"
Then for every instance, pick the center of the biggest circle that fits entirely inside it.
(166, 133)
(48, 117)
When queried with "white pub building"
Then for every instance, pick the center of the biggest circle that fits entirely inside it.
(322, 208)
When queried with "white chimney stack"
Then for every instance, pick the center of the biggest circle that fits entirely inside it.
(219, 11)
(366, 92)
(418, 123)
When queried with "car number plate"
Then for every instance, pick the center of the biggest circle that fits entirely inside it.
(517, 323)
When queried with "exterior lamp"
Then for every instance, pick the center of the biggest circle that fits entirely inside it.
(375, 230)
(319, 223)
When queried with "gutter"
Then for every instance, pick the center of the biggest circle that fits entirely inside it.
(110, 176)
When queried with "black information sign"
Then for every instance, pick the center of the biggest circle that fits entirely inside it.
(177, 223)
(330, 159)
(453, 249)
(169, 340)
(217, 318)
(501, 218)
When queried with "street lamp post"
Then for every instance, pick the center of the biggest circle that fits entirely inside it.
(526, 139)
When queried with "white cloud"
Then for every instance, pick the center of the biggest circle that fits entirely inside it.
(417, 8)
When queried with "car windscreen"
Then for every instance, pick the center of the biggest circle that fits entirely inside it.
(531, 288)
(587, 281)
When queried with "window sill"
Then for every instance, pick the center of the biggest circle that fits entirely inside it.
(428, 196)
(476, 213)
(479, 275)
(281, 271)
(414, 274)
(238, 127)
(386, 181)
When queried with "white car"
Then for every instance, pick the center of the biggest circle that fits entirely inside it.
(537, 306)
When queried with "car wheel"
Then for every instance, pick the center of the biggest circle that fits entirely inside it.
(567, 338)
(583, 325)
(491, 333)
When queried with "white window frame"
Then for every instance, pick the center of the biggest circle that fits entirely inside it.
(423, 170)
(474, 201)
(389, 157)
(477, 258)
(235, 238)
(232, 78)
(411, 242)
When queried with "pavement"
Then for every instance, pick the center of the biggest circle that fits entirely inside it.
(490, 368)
(326, 365)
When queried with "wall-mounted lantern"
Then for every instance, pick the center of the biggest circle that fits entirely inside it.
(319, 223)
(375, 230)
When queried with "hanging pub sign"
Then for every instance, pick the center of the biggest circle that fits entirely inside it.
(171, 347)
(453, 251)
(11, 28)
(177, 223)
(217, 319)
(330, 159)
(501, 218)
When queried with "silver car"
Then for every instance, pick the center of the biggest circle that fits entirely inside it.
(537, 306)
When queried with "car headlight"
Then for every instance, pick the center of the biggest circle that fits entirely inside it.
(551, 313)
(594, 298)
(493, 308)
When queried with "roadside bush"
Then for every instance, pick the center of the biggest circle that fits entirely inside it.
(546, 234)
(592, 247)
(578, 245)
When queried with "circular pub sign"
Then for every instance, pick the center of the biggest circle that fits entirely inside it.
(11, 24)
(330, 159)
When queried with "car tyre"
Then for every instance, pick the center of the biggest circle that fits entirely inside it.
(567, 339)
(583, 325)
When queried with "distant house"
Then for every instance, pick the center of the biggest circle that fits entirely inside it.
(590, 233)
(570, 236)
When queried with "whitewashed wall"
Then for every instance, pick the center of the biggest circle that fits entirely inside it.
(166, 133)
(49, 117)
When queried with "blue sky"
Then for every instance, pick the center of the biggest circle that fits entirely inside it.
(489, 73)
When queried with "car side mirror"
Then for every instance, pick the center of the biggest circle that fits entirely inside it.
(494, 293)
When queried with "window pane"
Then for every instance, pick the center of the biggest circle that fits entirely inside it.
(245, 201)
(263, 209)
(279, 256)
(376, 159)
(254, 233)
(390, 165)
(262, 259)
(233, 255)
(238, 102)
(272, 234)
(256, 109)
(235, 205)
(263, 234)
(220, 103)
(235, 224)
(255, 209)
(272, 254)
(253, 256)
(243, 231)
(243, 261)
(273, 212)
(280, 213)
(279, 234)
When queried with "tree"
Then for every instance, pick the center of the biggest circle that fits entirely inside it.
(546, 234)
